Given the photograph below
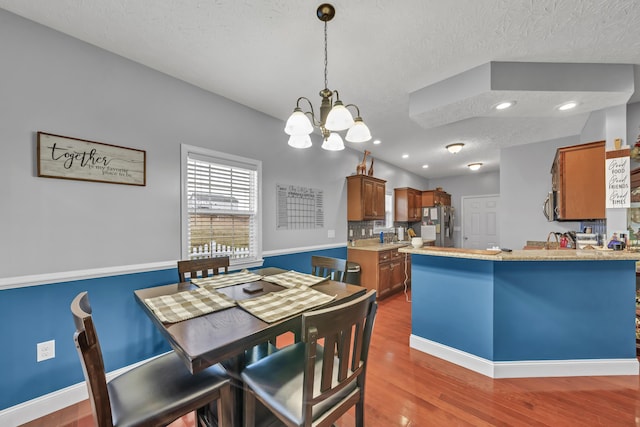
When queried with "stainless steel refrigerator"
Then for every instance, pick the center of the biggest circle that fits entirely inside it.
(437, 223)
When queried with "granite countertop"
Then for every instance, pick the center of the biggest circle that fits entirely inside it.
(525, 255)
(376, 246)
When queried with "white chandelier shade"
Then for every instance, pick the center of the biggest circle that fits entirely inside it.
(300, 141)
(359, 132)
(339, 118)
(298, 124)
(333, 142)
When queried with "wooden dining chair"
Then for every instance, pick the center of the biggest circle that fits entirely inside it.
(308, 384)
(202, 267)
(334, 268)
(152, 394)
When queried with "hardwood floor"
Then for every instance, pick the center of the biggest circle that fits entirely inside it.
(407, 388)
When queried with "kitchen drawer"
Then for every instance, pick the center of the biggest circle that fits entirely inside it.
(384, 256)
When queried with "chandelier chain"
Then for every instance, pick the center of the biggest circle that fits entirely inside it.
(326, 61)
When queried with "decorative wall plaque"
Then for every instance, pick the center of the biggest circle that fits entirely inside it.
(71, 158)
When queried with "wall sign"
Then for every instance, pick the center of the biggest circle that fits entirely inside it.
(617, 179)
(299, 208)
(79, 159)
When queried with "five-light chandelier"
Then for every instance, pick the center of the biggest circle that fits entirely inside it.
(334, 116)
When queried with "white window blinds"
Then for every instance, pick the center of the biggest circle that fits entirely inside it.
(222, 207)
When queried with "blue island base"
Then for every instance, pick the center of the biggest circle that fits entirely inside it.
(508, 319)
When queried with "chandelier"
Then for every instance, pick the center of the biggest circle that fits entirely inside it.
(334, 115)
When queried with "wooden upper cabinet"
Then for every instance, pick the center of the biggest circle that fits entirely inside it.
(365, 198)
(578, 178)
(407, 204)
(435, 198)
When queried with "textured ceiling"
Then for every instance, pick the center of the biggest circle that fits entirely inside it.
(267, 53)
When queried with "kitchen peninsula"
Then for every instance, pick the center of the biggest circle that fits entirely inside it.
(531, 313)
(383, 268)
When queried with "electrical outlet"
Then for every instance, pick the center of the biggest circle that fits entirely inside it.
(331, 234)
(46, 350)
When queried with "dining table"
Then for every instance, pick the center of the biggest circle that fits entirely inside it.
(224, 335)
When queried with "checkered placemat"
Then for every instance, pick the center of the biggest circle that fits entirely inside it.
(276, 306)
(292, 278)
(229, 279)
(188, 304)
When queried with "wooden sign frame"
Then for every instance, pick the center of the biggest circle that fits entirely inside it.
(79, 159)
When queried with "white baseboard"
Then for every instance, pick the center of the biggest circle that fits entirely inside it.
(52, 402)
(526, 368)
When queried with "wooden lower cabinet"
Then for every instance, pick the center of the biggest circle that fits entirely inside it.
(383, 270)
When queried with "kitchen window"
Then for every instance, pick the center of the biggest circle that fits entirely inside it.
(221, 207)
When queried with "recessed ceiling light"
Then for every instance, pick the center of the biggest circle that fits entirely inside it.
(568, 106)
(504, 105)
(455, 148)
(405, 156)
(474, 166)
(377, 141)
(425, 166)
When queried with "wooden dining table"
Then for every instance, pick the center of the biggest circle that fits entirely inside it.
(223, 336)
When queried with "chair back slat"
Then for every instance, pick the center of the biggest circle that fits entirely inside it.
(334, 268)
(202, 267)
(88, 348)
(344, 350)
(357, 348)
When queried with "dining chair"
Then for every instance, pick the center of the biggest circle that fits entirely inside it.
(202, 267)
(308, 383)
(155, 393)
(323, 266)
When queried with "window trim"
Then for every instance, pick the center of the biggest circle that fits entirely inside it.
(185, 151)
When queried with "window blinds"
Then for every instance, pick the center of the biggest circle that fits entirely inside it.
(222, 208)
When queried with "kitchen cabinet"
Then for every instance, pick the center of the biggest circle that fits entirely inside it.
(407, 204)
(436, 197)
(365, 198)
(578, 180)
(382, 270)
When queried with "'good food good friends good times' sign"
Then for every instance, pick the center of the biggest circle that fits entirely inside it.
(79, 159)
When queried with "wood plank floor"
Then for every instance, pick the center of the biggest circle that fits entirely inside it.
(409, 389)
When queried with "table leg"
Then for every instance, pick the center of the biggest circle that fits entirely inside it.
(234, 367)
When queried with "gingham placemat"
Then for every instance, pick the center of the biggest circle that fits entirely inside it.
(292, 278)
(229, 279)
(188, 304)
(276, 306)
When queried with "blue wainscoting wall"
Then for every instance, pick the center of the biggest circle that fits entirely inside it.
(41, 313)
(525, 310)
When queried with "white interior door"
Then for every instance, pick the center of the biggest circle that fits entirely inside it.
(480, 222)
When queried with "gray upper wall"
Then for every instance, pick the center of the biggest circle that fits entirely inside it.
(53, 83)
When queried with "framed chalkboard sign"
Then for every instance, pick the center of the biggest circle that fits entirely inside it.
(71, 158)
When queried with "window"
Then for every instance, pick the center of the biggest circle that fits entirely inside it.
(221, 206)
(387, 224)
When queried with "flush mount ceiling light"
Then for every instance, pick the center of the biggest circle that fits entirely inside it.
(568, 106)
(334, 116)
(474, 166)
(504, 105)
(455, 148)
